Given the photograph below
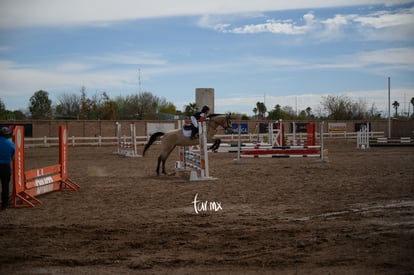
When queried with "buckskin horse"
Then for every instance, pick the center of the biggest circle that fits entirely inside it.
(174, 138)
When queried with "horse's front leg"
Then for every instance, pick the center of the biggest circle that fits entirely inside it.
(215, 145)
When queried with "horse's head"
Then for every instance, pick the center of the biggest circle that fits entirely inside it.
(223, 121)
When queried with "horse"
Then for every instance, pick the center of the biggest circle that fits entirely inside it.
(174, 138)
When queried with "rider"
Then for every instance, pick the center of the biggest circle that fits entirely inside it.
(198, 116)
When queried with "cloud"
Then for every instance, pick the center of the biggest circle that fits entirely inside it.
(64, 76)
(100, 62)
(94, 71)
(381, 25)
(4, 49)
(333, 28)
(377, 62)
(386, 19)
(400, 57)
(275, 26)
(269, 26)
(28, 13)
(72, 67)
(131, 58)
(373, 98)
(121, 74)
(396, 24)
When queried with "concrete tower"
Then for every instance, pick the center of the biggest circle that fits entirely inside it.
(205, 96)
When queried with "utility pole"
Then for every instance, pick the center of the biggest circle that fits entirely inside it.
(139, 80)
(389, 107)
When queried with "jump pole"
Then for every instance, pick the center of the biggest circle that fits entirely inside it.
(238, 143)
(310, 150)
(196, 161)
(363, 137)
(124, 148)
(321, 139)
(202, 135)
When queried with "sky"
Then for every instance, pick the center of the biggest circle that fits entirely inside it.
(291, 53)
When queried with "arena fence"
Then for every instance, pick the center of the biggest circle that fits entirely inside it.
(142, 140)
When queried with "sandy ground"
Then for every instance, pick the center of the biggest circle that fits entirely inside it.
(351, 215)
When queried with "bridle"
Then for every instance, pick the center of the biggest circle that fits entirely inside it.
(228, 124)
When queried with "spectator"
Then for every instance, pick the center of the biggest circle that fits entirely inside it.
(7, 150)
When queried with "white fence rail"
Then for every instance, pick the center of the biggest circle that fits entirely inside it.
(79, 141)
(141, 140)
(233, 138)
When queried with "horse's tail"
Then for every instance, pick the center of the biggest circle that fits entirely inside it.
(151, 140)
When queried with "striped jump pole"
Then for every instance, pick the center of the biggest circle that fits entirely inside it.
(289, 151)
(197, 162)
(127, 146)
(363, 137)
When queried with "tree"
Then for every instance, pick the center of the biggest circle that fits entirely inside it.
(343, 108)
(255, 111)
(127, 107)
(308, 111)
(142, 106)
(69, 106)
(261, 109)
(289, 113)
(338, 107)
(89, 108)
(190, 109)
(238, 116)
(40, 105)
(303, 115)
(148, 105)
(395, 105)
(358, 109)
(106, 107)
(85, 107)
(373, 112)
(2, 108)
(277, 113)
(167, 108)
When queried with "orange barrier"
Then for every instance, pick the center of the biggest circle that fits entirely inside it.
(310, 135)
(29, 184)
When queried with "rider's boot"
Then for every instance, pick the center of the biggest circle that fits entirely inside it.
(194, 132)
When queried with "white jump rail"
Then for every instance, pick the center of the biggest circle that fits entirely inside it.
(196, 161)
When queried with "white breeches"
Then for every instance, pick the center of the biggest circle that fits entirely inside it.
(194, 121)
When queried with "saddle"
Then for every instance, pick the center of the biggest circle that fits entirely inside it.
(188, 127)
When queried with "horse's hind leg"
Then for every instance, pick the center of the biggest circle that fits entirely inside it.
(215, 145)
(158, 166)
(163, 167)
(163, 158)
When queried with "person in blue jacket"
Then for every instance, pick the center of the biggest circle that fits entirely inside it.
(7, 150)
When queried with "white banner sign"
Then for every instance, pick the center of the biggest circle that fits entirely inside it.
(159, 127)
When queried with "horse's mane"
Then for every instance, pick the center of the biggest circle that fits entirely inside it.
(214, 115)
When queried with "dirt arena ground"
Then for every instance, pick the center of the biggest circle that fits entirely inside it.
(351, 215)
